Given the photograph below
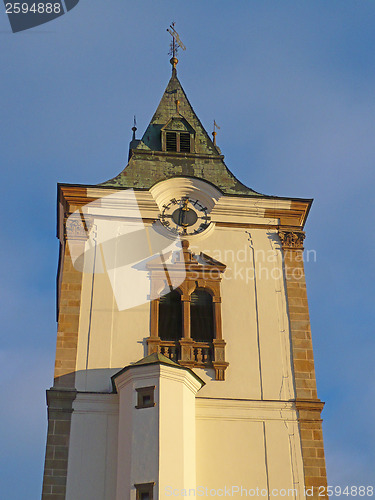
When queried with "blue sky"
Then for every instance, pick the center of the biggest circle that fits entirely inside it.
(291, 85)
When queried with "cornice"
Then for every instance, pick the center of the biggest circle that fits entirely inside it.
(173, 154)
(281, 212)
(212, 409)
(309, 405)
(226, 211)
(177, 373)
(96, 403)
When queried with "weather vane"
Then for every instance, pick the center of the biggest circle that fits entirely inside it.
(175, 44)
(214, 133)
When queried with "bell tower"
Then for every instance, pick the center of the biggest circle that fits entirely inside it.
(184, 361)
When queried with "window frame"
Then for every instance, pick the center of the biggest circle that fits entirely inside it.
(195, 335)
(144, 488)
(186, 351)
(164, 141)
(180, 315)
(144, 392)
(188, 130)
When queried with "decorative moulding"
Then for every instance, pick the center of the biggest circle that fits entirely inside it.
(178, 187)
(292, 239)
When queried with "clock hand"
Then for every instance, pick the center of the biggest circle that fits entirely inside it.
(182, 217)
(183, 213)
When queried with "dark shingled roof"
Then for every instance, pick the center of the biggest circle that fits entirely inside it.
(148, 164)
(156, 357)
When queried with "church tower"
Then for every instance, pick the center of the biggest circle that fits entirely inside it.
(184, 362)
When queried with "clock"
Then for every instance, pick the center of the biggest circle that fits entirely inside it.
(185, 216)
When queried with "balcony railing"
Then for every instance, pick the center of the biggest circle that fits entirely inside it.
(199, 354)
(192, 354)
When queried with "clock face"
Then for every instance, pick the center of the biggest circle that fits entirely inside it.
(185, 216)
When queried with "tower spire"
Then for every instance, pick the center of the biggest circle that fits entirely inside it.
(175, 44)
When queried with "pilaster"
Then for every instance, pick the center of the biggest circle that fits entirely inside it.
(73, 248)
(56, 462)
(308, 405)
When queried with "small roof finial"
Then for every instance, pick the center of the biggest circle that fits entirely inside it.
(134, 128)
(214, 133)
(175, 44)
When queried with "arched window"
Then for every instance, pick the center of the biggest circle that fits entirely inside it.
(186, 323)
(201, 316)
(170, 316)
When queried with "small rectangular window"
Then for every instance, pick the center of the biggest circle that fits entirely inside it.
(185, 142)
(145, 397)
(144, 491)
(171, 141)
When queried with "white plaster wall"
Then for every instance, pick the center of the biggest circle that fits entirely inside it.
(156, 444)
(109, 339)
(92, 458)
(254, 442)
(255, 323)
(125, 443)
(248, 444)
(177, 434)
(138, 459)
(254, 314)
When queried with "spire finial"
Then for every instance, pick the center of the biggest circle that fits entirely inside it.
(214, 133)
(175, 43)
(134, 128)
